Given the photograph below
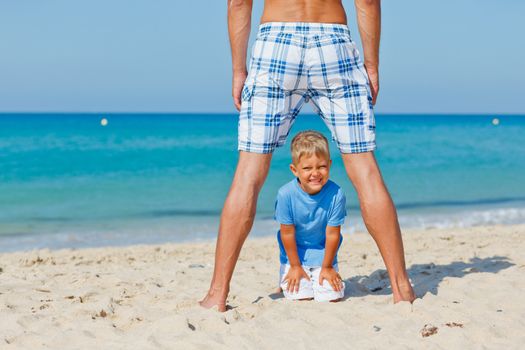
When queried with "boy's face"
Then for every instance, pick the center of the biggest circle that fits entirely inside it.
(312, 171)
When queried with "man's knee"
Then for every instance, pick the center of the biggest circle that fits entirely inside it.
(362, 168)
(252, 170)
(363, 171)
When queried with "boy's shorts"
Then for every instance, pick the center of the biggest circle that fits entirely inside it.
(294, 63)
(310, 289)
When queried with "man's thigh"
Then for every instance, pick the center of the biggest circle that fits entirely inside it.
(272, 95)
(266, 119)
(340, 94)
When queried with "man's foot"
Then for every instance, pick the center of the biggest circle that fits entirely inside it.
(404, 293)
(211, 301)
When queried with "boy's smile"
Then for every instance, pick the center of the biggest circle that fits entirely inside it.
(312, 171)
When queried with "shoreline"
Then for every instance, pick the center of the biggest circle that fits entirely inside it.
(205, 230)
(468, 281)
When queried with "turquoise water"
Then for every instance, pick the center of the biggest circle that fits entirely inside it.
(67, 181)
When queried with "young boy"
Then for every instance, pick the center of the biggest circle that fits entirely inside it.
(310, 210)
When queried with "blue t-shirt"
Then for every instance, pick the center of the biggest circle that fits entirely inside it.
(310, 214)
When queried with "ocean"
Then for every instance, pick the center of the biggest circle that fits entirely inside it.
(68, 181)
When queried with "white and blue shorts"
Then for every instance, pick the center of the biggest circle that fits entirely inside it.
(310, 288)
(294, 63)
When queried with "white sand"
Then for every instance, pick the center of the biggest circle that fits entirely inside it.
(144, 297)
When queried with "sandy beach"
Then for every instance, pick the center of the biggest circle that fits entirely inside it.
(470, 285)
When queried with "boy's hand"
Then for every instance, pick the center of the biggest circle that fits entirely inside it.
(329, 274)
(293, 278)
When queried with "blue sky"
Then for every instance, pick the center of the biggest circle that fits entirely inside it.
(443, 56)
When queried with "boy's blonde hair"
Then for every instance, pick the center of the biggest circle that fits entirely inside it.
(307, 143)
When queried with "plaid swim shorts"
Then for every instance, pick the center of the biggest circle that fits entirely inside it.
(294, 63)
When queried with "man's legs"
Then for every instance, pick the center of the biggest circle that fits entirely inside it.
(237, 218)
(380, 217)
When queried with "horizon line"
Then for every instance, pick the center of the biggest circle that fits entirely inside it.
(230, 113)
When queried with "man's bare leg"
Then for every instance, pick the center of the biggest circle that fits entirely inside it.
(236, 222)
(380, 217)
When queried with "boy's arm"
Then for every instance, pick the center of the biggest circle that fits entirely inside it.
(296, 271)
(290, 246)
(333, 237)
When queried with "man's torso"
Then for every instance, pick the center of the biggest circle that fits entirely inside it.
(314, 11)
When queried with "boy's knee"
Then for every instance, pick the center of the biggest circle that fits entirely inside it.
(325, 292)
(305, 291)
